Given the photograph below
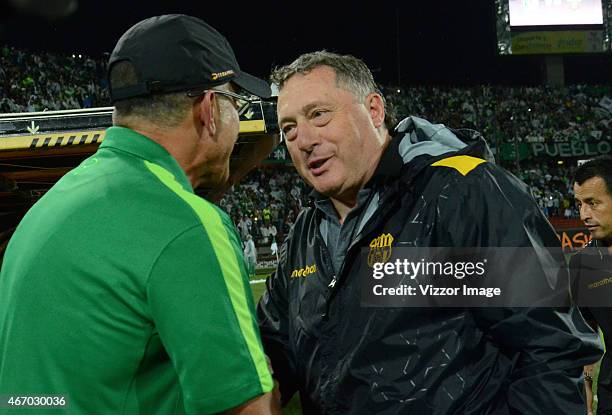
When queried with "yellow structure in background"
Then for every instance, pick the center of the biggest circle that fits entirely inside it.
(35, 141)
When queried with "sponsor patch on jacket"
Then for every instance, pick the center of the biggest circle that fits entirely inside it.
(380, 249)
(463, 164)
(303, 272)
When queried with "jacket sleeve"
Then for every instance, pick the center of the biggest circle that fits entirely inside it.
(272, 316)
(548, 346)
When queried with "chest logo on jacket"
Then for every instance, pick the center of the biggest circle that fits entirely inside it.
(304, 272)
(600, 283)
(380, 249)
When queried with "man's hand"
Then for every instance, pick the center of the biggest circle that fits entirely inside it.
(588, 386)
(588, 372)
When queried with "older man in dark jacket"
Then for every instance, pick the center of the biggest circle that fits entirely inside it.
(423, 187)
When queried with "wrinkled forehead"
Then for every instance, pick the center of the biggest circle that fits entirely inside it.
(317, 70)
(321, 75)
(305, 90)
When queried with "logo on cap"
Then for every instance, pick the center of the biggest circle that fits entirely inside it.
(217, 75)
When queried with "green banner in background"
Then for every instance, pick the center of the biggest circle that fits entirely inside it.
(280, 155)
(573, 149)
(556, 150)
(508, 151)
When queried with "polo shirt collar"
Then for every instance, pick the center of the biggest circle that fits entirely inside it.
(138, 145)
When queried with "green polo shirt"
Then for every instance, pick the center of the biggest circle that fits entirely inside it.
(127, 293)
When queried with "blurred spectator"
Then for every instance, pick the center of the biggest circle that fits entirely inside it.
(268, 232)
(244, 226)
(250, 254)
(274, 249)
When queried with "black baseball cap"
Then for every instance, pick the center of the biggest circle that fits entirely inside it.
(175, 52)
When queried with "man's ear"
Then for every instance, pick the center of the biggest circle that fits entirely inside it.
(207, 108)
(376, 107)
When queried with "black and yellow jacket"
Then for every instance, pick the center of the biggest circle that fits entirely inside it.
(430, 189)
(591, 269)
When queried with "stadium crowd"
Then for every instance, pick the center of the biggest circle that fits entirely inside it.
(267, 202)
(38, 81)
(46, 81)
(552, 187)
(501, 113)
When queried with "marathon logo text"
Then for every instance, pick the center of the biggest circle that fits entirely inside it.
(304, 272)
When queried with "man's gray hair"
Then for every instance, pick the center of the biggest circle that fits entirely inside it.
(352, 74)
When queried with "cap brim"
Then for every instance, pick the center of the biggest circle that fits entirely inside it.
(254, 85)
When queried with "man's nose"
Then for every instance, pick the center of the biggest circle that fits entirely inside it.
(585, 212)
(307, 138)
